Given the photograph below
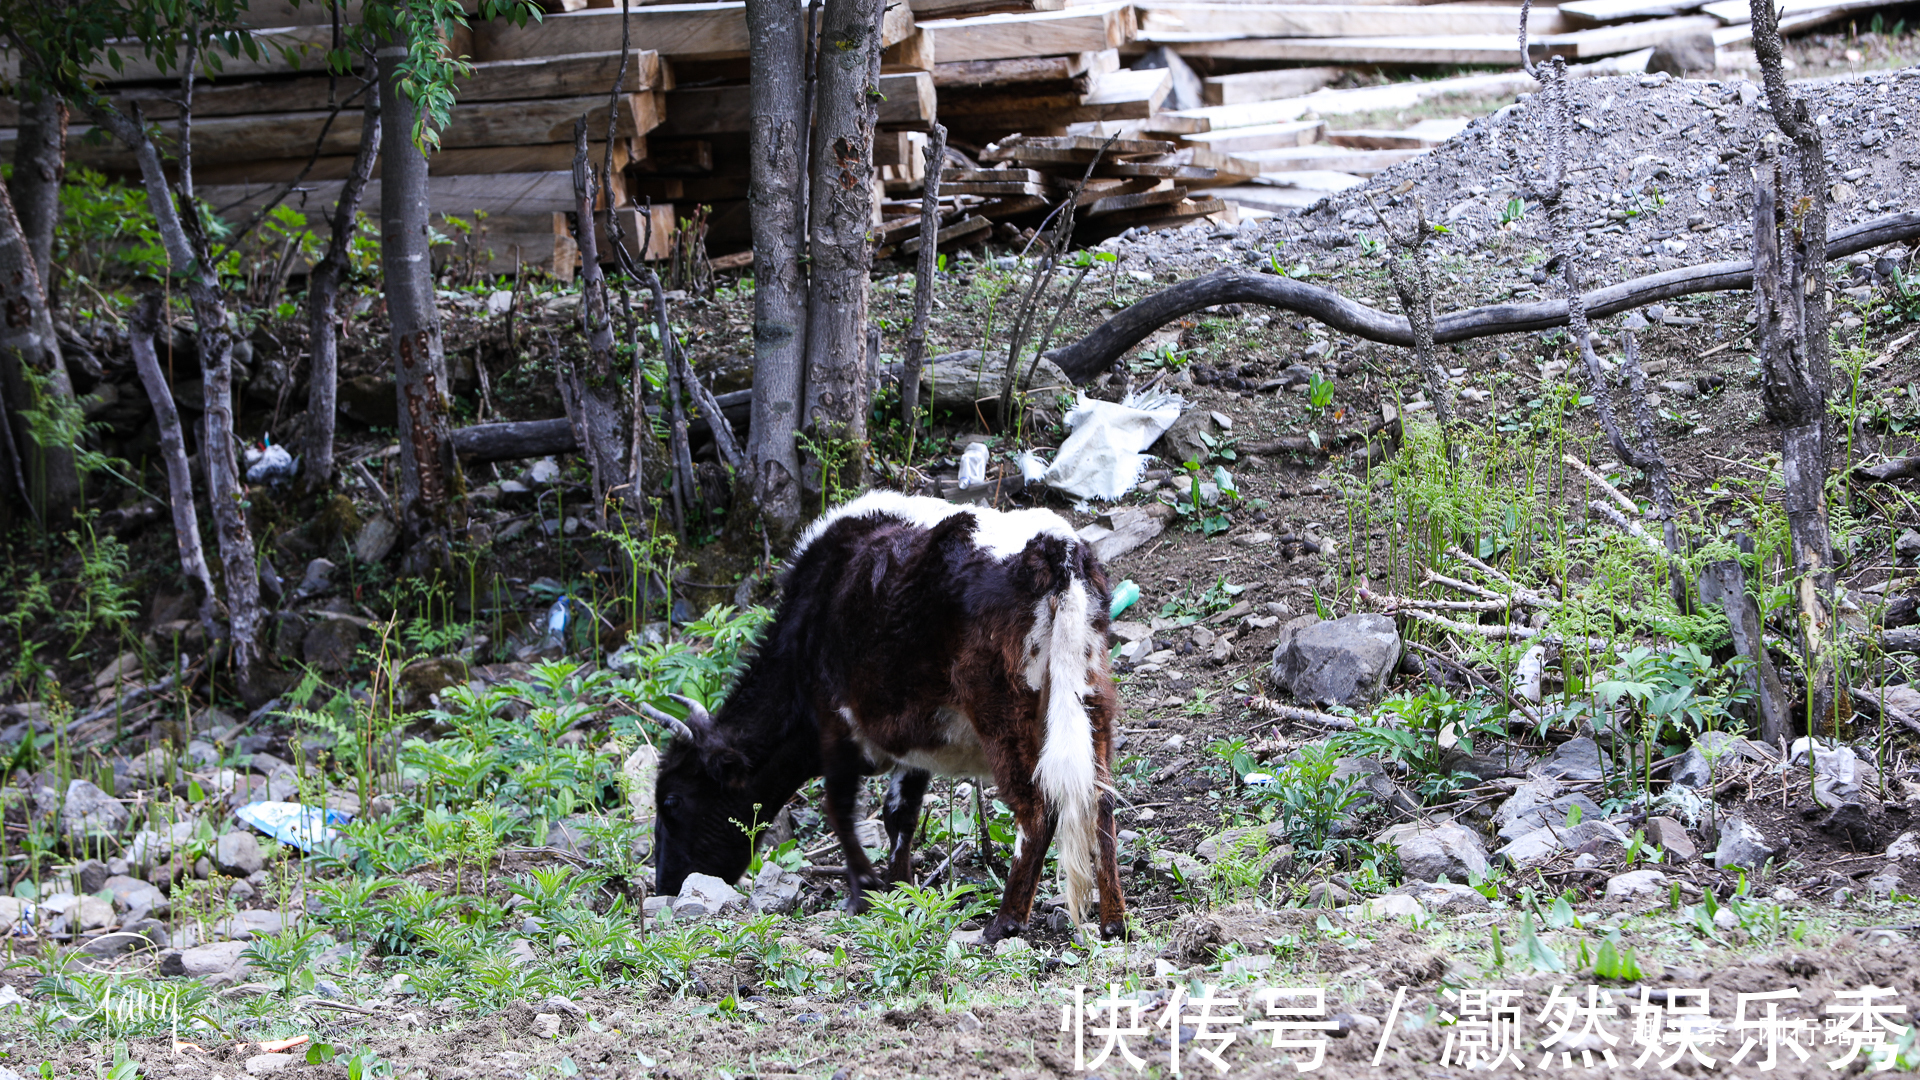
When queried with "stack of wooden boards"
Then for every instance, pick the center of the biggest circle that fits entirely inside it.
(1214, 112)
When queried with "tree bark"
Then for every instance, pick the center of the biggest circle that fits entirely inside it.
(776, 195)
(846, 110)
(593, 403)
(429, 475)
(188, 256)
(173, 454)
(1725, 583)
(28, 343)
(39, 165)
(323, 290)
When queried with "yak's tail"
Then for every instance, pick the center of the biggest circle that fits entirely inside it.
(1068, 774)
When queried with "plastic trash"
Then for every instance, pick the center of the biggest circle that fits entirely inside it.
(291, 823)
(270, 464)
(557, 617)
(973, 466)
(1257, 779)
(1104, 456)
(1125, 595)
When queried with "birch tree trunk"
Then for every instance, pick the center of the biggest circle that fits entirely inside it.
(46, 474)
(429, 475)
(776, 196)
(173, 454)
(323, 292)
(1790, 300)
(841, 189)
(188, 256)
(39, 164)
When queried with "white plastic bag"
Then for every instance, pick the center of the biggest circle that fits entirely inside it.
(1104, 456)
(973, 466)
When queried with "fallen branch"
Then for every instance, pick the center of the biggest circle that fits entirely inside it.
(1905, 468)
(1627, 525)
(1092, 355)
(1872, 704)
(1293, 712)
(1602, 483)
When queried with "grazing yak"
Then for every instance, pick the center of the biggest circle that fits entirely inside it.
(920, 637)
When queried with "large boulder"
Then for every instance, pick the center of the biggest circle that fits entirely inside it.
(1430, 852)
(1346, 661)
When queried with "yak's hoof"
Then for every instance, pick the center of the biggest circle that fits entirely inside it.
(998, 929)
(1115, 929)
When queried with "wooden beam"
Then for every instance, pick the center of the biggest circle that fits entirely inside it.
(1166, 22)
(915, 53)
(1731, 14)
(1363, 99)
(1041, 33)
(712, 110)
(693, 30)
(1263, 137)
(1588, 12)
(1609, 40)
(953, 9)
(1438, 49)
(1322, 157)
(1062, 149)
(1267, 85)
(473, 161)
(1120, 95)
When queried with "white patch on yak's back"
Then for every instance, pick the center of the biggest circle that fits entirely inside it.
(959, 752)
(998, 533)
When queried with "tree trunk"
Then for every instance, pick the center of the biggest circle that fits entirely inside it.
(39, 164)
(323, 290)
(778, 139)
(842, 212)
(593, 400)
(189, 259)
(1790, 300)
(31, 370)
(173, 454)
(429, 475)
(923, 271)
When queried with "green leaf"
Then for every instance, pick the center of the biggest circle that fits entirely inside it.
(1614, 963)
(1561, 915)
(1541, 957)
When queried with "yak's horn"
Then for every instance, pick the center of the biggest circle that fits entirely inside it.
(696, 713)
(671, 722)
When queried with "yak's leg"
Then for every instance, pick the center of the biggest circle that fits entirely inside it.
(1012, 749)
(844, 766)
(1113, 905)
(902, 816)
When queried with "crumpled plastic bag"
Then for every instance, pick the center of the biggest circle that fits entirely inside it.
(291, 823)
(1105, 455)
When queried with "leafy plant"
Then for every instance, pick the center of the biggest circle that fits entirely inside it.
(1308, 800)
(907, 933)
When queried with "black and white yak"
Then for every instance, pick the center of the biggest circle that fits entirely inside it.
(920, 637)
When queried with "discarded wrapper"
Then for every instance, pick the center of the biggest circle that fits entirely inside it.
(291, 823)
(1104, 456)
(973, 466)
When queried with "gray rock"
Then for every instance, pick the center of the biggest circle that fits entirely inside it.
(716, 897)
(1671, 837)
(1428, 853)
(375, 540)
(1906, 848)
(1575, 759)
(1907, 548)
(131, 893)
(1637, 885)
(1182, 443)
(153, 767)
(1343, 662)
(268, 1064)
(237, 854)
(1539, 803)
(1683, 54)
(1372, 788)
(775, 892)
(1445, 896)
(221, 957)
(1693, 770)
(1546, 841)
(330, 644)
(91, 875)
(317, 579)
(90, 813)
(1742, 845)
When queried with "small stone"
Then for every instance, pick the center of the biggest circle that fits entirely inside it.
(237, 854)
(1742, 845)
(375, 540)
(1637, 885)
(715, 896)
(967, 1022)
(1671, 837)
(218, 958)
(1575, 759)
(317, 579)
(1906, 848)
(268, 1064)
(1391, 906)
(90, 813)
(1428, 853)
(1344, 661)
(1446, 896)
(130, 893)
(1907, 548)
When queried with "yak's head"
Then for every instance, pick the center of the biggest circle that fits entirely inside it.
(702, 803)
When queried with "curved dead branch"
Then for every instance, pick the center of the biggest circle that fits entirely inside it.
(1091, 355)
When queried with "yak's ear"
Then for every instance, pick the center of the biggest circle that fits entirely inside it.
(724, 763)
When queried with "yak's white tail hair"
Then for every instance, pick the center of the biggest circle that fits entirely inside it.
(1067, 774)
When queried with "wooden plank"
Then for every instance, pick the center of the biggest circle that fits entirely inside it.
(475, 161)
(677, 157)
(1161, 22)
(951, 9)
(1362, 99)
(1113, 204)
(1003, 73)
(1437, 49)
(998, 187)
(966, 229)
(1263, 137)
(1155, 217)
(1587, 12)
(1069, 149)
(984, 176)
(1120, 95)
(1611, 40)
(497, 194)
(1421, 136)
(694, 30)
(712, 110)
(913, 54)
(1278, 200)
(1326, 158)
(1041, 33)
(1267, 85)
(1792, 24)
(1734, 13)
